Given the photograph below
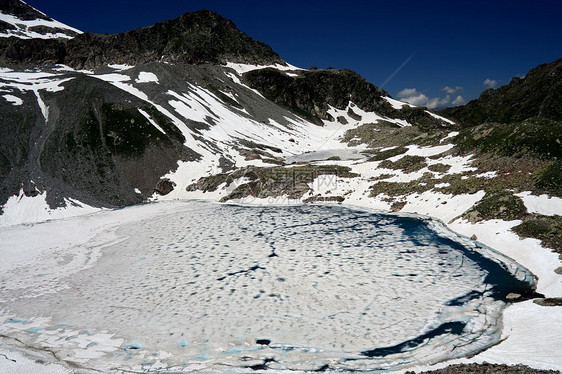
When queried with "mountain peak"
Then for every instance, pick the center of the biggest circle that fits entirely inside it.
(194, 38)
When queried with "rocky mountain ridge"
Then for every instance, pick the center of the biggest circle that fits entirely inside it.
(193, 38)
(311, 93)
(538, 94)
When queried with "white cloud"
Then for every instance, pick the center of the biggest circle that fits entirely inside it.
(459, 100)
(406, 92)
(490, 83)
(451, 90)
(412, 96)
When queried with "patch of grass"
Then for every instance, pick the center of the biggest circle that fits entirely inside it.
(459, 186)
(535, 137)
(383, 155)
(398, 188)
(549, 179)
(381, 135)
(381, 177)
(545, 228)
(439, 168)
(500, 204)
(408, 164)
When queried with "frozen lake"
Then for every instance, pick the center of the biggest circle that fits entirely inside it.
(205, 287)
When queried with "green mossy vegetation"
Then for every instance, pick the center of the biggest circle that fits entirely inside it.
(407, 164)
(548, 229)
(383, 155)
(439, 168)
(549, 179)
(536, 137)
(500, 204)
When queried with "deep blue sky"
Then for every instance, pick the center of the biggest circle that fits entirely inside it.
(455, 43)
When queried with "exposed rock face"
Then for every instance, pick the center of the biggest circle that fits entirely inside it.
(194, 38)
(95, 146)
(312, 91)
(164, 186)
(324, 199)
(537, 95)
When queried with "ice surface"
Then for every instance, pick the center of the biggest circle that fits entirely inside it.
(204, 282)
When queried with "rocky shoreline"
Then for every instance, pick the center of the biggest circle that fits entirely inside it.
(486, 368)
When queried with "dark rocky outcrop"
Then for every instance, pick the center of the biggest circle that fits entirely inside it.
(164, 186)
(486, 368)
(539, 94)
(21, 10)
(272, 182)
(194, 38)
(550, 301)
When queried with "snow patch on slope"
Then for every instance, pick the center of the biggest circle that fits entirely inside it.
(244, 68)
(396, 104)
(23, 29)
(146, 77)
(26, 209)
(13, 99)
(543, 204)
(440, 118)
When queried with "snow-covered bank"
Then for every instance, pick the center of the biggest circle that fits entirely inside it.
(24, 209)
